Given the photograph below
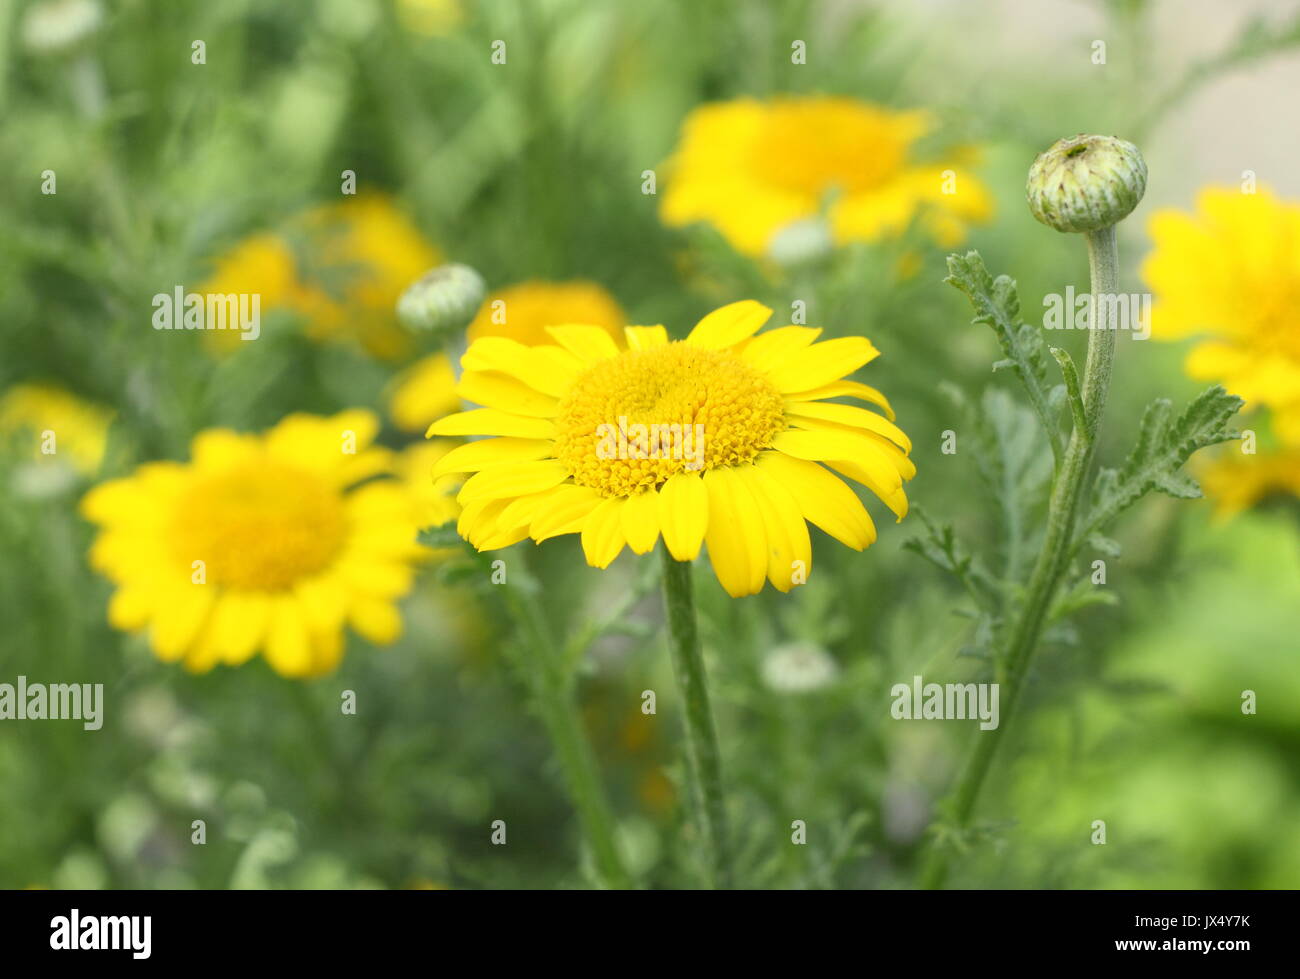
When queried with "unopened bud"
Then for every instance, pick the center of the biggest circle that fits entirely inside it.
(442, 300)
(1086, 183)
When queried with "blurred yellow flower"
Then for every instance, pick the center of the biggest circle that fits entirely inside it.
(435, 499)
(261, 264)
(754, 168)
(1236, 482)
(1230, 274)
(715, 440)
(340, 266)
(260, 542)
(524, 310)
(423, 392)
(54, 426)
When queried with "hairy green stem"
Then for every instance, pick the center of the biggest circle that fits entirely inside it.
(1053, 559)
(701, 740)
(551, 680)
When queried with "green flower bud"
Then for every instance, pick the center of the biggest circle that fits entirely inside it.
(442, 300)
(1086, 183)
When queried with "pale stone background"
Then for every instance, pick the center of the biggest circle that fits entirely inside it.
(1246, 118)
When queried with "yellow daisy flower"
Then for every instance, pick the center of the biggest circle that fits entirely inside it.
(260, 542)
(716, 440)
(1230, 273)
(754, 167)
(78, 430)
(340, 266)
(1237, 482)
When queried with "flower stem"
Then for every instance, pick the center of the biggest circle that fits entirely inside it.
(701, 740)
(547, 673)
(1053, 559)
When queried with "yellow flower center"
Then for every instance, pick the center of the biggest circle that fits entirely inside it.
(634, 420)
(810, 147)
(1271, 313)
(261, 527)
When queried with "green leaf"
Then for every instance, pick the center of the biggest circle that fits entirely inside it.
(998, 306)
(941, 548)
(1104, 545)
(1083, 595)
(1011, 461)
(1075, 395)
(1164, 444)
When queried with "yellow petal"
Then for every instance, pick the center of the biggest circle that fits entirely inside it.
(683, 514)
(326, 650)
(565, 511)
(315, 443)
(220, 448)
(590, 344)
(848, 389)
(178, 619)
(376, 619)
(323, 599)
(825, 500)
(822, 363)
(645, 337)
(378, 577)
(479, 518)
(501, 391)
(852, 417)
(288, 641)
(736, 538)
(520, 512)
(513, 479)
(202, 655)
(490, 452)
(729, 325)
(490, 421)
(602, 534)
(130, 607)
(893, 496)
(502, 537)
(789, 549)
(547, 369)
(239, 624)
(769, 349)
(480, 523)
(641, 521)
(822, 445)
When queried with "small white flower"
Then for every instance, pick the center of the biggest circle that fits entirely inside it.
(798, 667)
(55, 25)
(801, 241)
(43, 480)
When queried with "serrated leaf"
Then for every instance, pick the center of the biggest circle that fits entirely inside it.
(1164, 444)
(1014, 467)
(941, 548)
(1081, 596)
(1104, 545)
(997, 306)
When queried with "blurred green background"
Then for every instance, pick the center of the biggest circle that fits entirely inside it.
(532, 170)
